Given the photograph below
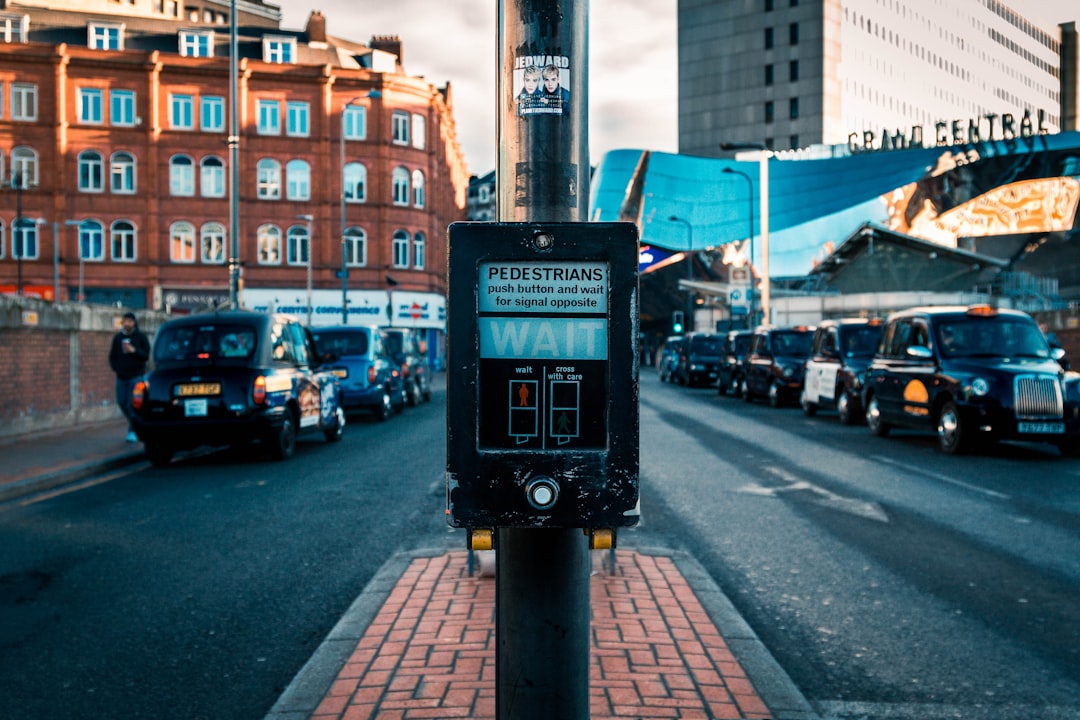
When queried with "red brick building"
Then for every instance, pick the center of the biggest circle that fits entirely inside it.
(115, 160)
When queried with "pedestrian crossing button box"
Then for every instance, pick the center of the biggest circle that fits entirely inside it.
(542, 391)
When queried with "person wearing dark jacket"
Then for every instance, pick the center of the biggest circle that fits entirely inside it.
(127, 357)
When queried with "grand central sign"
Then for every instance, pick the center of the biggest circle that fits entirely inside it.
(952, 132)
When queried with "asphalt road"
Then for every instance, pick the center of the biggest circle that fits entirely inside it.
(890, 581)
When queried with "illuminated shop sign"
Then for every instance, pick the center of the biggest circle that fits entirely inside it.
(952, 132)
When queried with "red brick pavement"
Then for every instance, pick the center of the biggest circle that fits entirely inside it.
(430, 651)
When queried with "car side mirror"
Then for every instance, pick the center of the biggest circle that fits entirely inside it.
(919, 352)
(1057, 353)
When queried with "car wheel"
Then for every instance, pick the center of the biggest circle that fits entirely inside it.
(1069, 448)
(809, 409)
(775, 400)
(335, 433)
(414, 395)
(283, 440)
(721, 387)
(158, 453)
(427, 394)
(385, 406)
(844, 408)
(744, 391)
(954, 435)
(874, 420)
(736, 386)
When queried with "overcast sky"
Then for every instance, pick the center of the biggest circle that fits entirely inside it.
(632, 61)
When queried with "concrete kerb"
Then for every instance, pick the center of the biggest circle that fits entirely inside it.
(67, 475)
(303, 695)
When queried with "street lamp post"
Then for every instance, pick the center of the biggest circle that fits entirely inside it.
(689, 269)
(750, 184)
(307, 253)
(18, 237)
(373, 94)
(763, 179)
(78, 246)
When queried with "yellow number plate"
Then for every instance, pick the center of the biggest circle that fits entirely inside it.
(340, 372)
(193, 389)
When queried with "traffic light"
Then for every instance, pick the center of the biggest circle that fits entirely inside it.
(677, 321)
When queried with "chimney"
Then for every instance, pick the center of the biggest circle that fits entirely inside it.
(316, 27)
(388, 43)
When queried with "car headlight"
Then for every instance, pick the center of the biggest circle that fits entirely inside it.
(788, 371)
(979, 387)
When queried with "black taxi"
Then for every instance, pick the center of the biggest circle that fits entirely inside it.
(229, 378)
(971, 374)
(833, 378)
(774, 364)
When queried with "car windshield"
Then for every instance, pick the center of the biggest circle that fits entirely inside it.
(991, 337)
(796, 344)
(742, 344)
(204, 342)
(860, 340)
(394, 342)
(341, 342)
(705, 345)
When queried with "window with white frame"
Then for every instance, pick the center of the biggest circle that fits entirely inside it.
(355, 178)
(355, 247)
(91, 172)
(296, 252)
(401, 249)
(419, 251)
(297, 180)
(400, 182)
(105, 36)
(269, 114)
(181, 111)
(122, 108)
(122, 173)
(91, 241)
(123, 241)
(2, 244)
(399, 123)
(268, 173)
(14, 28)
(24, 104)
(297, 119)
(212, 176)
(182, 242)
(268, 239)
(181, 176)
(212, 113)
(197, 43)
(278, 49)
(418, 188)
(90, 105)
(419, 131)
(24, 166)
(354, 122)
(24, 239)
(212, 243)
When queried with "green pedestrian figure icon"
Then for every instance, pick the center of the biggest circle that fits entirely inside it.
(563, 425)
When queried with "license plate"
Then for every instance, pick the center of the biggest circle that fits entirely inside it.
(340, 372)
(1042, 428)
(190, 389)
(195, 407)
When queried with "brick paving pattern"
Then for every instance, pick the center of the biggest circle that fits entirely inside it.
(430, 651)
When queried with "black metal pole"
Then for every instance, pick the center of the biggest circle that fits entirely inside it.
(19, 238)
(234, 161)
(542, 575)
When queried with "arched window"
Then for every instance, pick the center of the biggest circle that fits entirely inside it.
(212, 176)
(298, 180)
(91, 241)
(355, 179)
(182, 242)
(212, 243)
(91, 171)
(269, 244)
(24, 167)
(297, 245)
(419, 251)
(181, 176)
(418, 188)
(401, 249)
(24, 239)
(269, 178)
(122, 241)
(122, 173)
(355, 246)
(400, 181)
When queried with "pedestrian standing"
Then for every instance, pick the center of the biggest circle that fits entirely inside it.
(127, 357)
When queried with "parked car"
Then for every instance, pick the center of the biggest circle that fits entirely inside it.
(834, 374)
(370, 379)
(972, 375)
(669, 358)
(229, 378)
(732, 354)
(698, 359)
(773, 367)
(406, 348)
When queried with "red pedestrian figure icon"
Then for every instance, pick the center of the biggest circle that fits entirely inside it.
(523, 395)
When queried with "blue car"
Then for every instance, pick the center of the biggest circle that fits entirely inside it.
(231, 378)
(370, 379)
